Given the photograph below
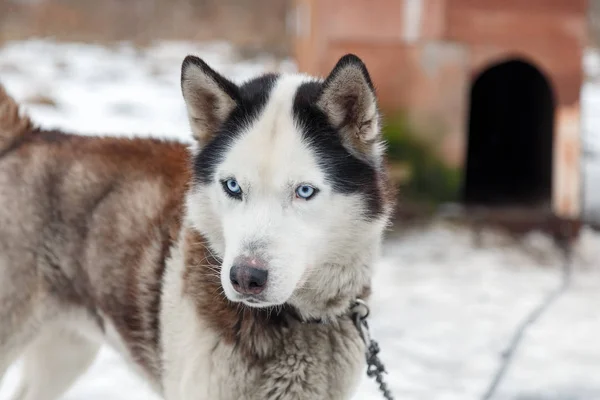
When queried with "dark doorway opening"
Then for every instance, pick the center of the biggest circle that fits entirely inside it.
(509, 153)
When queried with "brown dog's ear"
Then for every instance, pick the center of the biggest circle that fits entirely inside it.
(348, 98)
(209, 97)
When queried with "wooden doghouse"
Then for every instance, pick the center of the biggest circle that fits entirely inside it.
(492, 86)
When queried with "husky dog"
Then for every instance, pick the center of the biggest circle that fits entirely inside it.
(222, 272)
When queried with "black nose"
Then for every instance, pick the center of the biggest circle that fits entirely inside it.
(248, 280)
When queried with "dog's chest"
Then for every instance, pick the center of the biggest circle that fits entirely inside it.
(302, 362)
(197, 365)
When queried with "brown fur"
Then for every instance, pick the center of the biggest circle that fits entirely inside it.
(13, 124)
(255, 332)
(73, 191)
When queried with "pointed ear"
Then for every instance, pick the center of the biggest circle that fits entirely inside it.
(209, 97)
(348, 98)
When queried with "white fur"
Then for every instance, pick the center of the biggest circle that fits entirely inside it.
(194, 361)
(186, 342)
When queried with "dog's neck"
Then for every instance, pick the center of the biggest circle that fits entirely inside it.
(236, 323)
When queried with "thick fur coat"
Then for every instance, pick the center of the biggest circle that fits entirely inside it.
(223, 272)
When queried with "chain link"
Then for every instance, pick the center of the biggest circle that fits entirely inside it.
(375, 368)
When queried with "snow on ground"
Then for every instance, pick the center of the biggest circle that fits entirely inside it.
(445, 304)
(118, 90)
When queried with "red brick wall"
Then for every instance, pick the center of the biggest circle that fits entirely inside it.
(523, 6)
(425, 76)
(430, 78)
(549, 33)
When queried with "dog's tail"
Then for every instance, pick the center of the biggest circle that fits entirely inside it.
(14, 124)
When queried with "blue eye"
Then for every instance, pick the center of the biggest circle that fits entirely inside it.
(305, 192)
(232, 188)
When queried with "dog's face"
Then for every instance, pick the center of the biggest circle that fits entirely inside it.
(289, 184)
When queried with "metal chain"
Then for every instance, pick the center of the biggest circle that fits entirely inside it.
(375, 368)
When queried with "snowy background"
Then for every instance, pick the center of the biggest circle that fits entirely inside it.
(446, 302)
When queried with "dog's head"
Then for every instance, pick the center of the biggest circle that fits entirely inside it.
(289, 183)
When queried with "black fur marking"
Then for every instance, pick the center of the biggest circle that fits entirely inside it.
(251, 100)
(346, 173)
